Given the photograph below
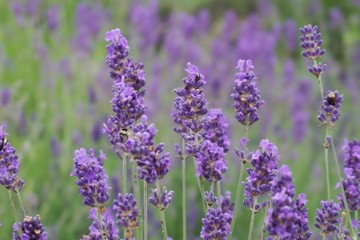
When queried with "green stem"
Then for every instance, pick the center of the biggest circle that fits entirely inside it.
(136, 186)
(266, 211)
(145, 212)
(252, 219)
(183, 158)
(124, 175)
(239, 187)
(324, 237)
(12, 204)
(200, 179)
(99, 215)
(162, 214)
(218, 190)
(21, 203)
(348, 216)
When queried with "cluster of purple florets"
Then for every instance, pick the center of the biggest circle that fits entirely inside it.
(161, 202)
(327, 217)
(126, 212)
(330, 107)
(101, 229)
(30, 228)
(215, 225)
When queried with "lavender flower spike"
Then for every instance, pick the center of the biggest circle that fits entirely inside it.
(215, 225)
(246, 94)
(163, 201)
(126, 213)
(311, 42)
(352, 157)
(92, 179)
(31, 229)
(117, 49)
(99, 230)
(330, 108)
(9, 165)
(327, 217)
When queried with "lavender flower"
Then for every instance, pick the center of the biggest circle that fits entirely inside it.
(246, 94)
(210, 161)
(189, 104)
(215, 225)
(317, 69)
(92, 179)
(311, 42)
(215, 127)
(9, 165)
(210, 198)
(100, 230)
(163, 201)
(352, 192)
(327, 217)
(352, 157)
(227, 207)
(286, 219)
(117, 49)
(258, 182)
(31, 229)
(330, 108)
(126, 213)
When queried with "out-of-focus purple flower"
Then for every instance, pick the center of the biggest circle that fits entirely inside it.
(104, 229)
(352, 157)
(5, 96)
(52, 17)
(126, 213)
(286, 219)
(30, 229)
(210, 198)
(327, 217)
(311, 42)
(330, 108)
(264, 163)
(246, 94)
(352, 191)
(227, 207)
(55, 147)
(203, 20)
(163, 201)
(92, 179)
(214, 225)
(9, 164)
(215, 127)
(154, 165)
(210, 162)
(189, 104)
(96, 131)
(336, 17)
(290, 30)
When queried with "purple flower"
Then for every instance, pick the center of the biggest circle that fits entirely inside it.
(330, 108)
(189, 104)
(286, 219)
(126, 213)
(317, 69)
(210, 162)
(210, 198)
(52, 17)
(311, 42)
(163, 201)
(352, 192)
(104, 229)
(31, 229)
(214, 225)
(9, 164)
(327, 217)
(227, 207)
(246, 94)
(352, 157)
(92, 179)
(215, 127)
(264, 163)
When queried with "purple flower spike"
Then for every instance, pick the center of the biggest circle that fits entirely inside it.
(287, 218)
(318, 69)
(163, 201)
(227, 207)
(352, 157)
(210, 161)
(31, 229)
(264, 165)
(126, 213)
(311, 42)
(92, 179)
(246, 94)
(352, 193)
(327, 217)
(215, 225)
(215, 127)
(330, 108)
(210, 198)
(117, 49)
(106, 228)
(9, 165)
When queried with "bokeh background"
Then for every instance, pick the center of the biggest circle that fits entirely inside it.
(55, 90)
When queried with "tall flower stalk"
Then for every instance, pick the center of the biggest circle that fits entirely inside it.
(247, 102)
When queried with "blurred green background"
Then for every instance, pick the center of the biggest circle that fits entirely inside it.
(55, 90)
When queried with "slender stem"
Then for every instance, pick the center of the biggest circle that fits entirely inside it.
(99, 215)
(356, 215)
(239, 187)
(21, 203)
(124, 175)
(11, 200)
(145, 212)
(324, 237)
(136, 186)
(266, 211)
(183, 159)
(348, 216)
(162, 214)
(252, 219)
(218, 190)
(199, 179)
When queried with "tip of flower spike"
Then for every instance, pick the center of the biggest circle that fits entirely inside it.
(192, 69)
(113, 35)
(245, 65)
